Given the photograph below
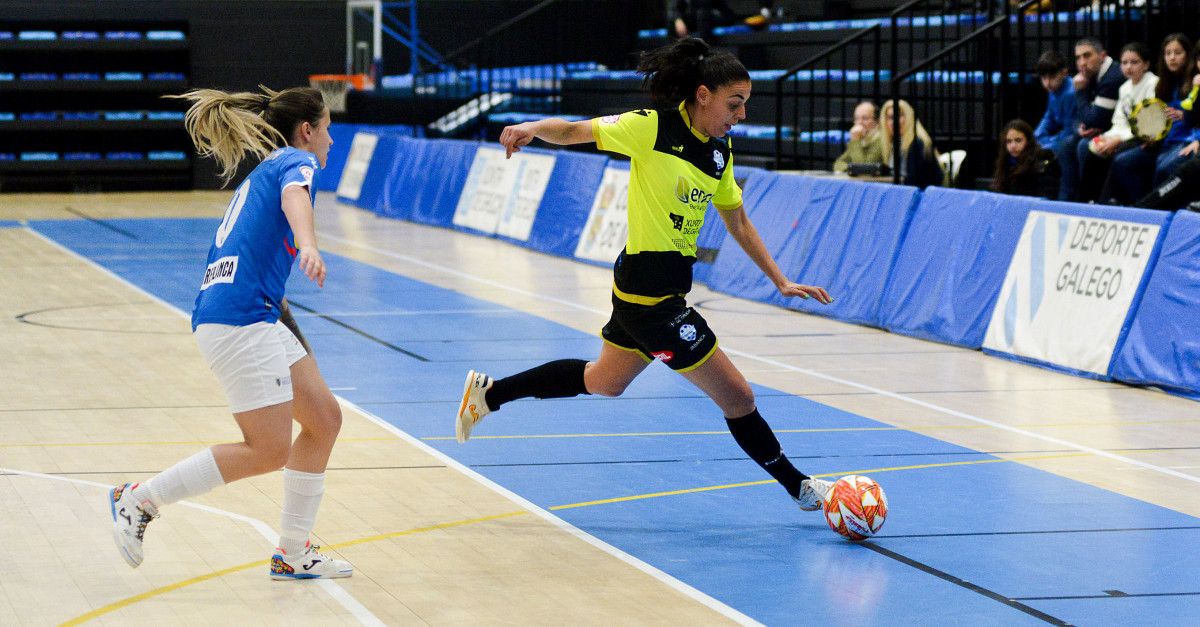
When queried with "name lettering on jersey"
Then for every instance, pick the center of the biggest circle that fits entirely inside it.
(222, 270)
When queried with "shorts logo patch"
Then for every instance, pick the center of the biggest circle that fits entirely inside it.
(687, 332)
(663, 356)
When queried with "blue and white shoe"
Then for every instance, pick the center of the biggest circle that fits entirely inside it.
(813, 493)
(310, 564)
(129, 522)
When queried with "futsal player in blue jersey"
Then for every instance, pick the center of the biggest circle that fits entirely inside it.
(268, 376)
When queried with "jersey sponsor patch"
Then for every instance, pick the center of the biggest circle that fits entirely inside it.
(222, 270)
(307, 173)
(719, 160)
(610, 119)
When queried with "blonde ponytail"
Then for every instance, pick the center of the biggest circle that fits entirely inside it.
(226, 126)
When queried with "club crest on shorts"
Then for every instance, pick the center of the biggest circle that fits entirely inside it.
(687, 332)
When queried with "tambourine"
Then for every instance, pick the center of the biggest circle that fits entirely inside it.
(1149, 121)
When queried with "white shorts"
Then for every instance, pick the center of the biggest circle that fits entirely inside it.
(253, 363)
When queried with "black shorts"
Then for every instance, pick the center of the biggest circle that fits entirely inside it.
(670, 332)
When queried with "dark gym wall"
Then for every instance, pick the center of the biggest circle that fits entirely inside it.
(234, 44)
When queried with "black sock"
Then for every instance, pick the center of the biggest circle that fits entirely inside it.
(555, 379)
(755, 437)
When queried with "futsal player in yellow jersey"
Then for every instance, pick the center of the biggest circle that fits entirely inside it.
(680, 161)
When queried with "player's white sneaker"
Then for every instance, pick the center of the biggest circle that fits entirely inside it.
(473, 407)
(129, 522)
(812, 494)
(310, 564)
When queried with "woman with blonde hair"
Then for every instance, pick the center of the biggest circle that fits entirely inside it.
(918, 160)
(268, 376)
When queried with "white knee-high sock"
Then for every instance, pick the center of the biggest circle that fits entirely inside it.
(301, 497)
(191, 477)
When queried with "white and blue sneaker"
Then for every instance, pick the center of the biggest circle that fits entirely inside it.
(310, 564)
(129, 522)
(813, 492)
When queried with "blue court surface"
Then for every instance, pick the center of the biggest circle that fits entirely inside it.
(971, 539)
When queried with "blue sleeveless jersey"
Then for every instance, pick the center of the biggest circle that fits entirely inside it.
(251, 256)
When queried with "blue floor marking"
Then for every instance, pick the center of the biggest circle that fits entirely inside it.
(748, 547)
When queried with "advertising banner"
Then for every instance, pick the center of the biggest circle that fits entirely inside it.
(1068, 289)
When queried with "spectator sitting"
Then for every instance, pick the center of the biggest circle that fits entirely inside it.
(1178, 190)
(1058, 123)
(1097, 86)
(1094, 162)
(864, 139)
(1134, 172)
(918, 161)
(1023, 167)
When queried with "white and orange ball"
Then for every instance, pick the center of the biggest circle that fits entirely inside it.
(856, 507)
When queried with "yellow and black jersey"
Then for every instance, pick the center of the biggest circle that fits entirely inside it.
(675, 171)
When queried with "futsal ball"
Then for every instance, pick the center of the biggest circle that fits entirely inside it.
(856, 507)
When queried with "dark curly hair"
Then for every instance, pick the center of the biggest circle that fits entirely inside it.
(673, 72)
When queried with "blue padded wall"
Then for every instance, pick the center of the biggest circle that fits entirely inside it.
(343, 137)
(564, 209)
(1162, 346)
(949, 271)
(841, 235)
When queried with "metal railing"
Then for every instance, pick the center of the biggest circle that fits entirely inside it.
(960, 104)
(830, 93)
(966, 67)
(486, 80)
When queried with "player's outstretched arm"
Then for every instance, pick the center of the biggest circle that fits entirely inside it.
(297, 206)
(742, 229)
(554, 130)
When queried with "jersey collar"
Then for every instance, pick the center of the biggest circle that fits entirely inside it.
(687, 120)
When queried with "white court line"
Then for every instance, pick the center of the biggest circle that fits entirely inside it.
(791, 368)
(670, 581)
(339, 594)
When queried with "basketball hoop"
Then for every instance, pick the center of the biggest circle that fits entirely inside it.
(334, 87)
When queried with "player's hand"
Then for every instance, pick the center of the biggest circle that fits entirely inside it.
(312, 265)
(1109, 146)
(1080, 81)
(1174, 114)
(513, 137)
(805, 291)
(1190, 149)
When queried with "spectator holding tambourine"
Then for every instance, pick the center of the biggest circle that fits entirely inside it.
(1134, 172)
